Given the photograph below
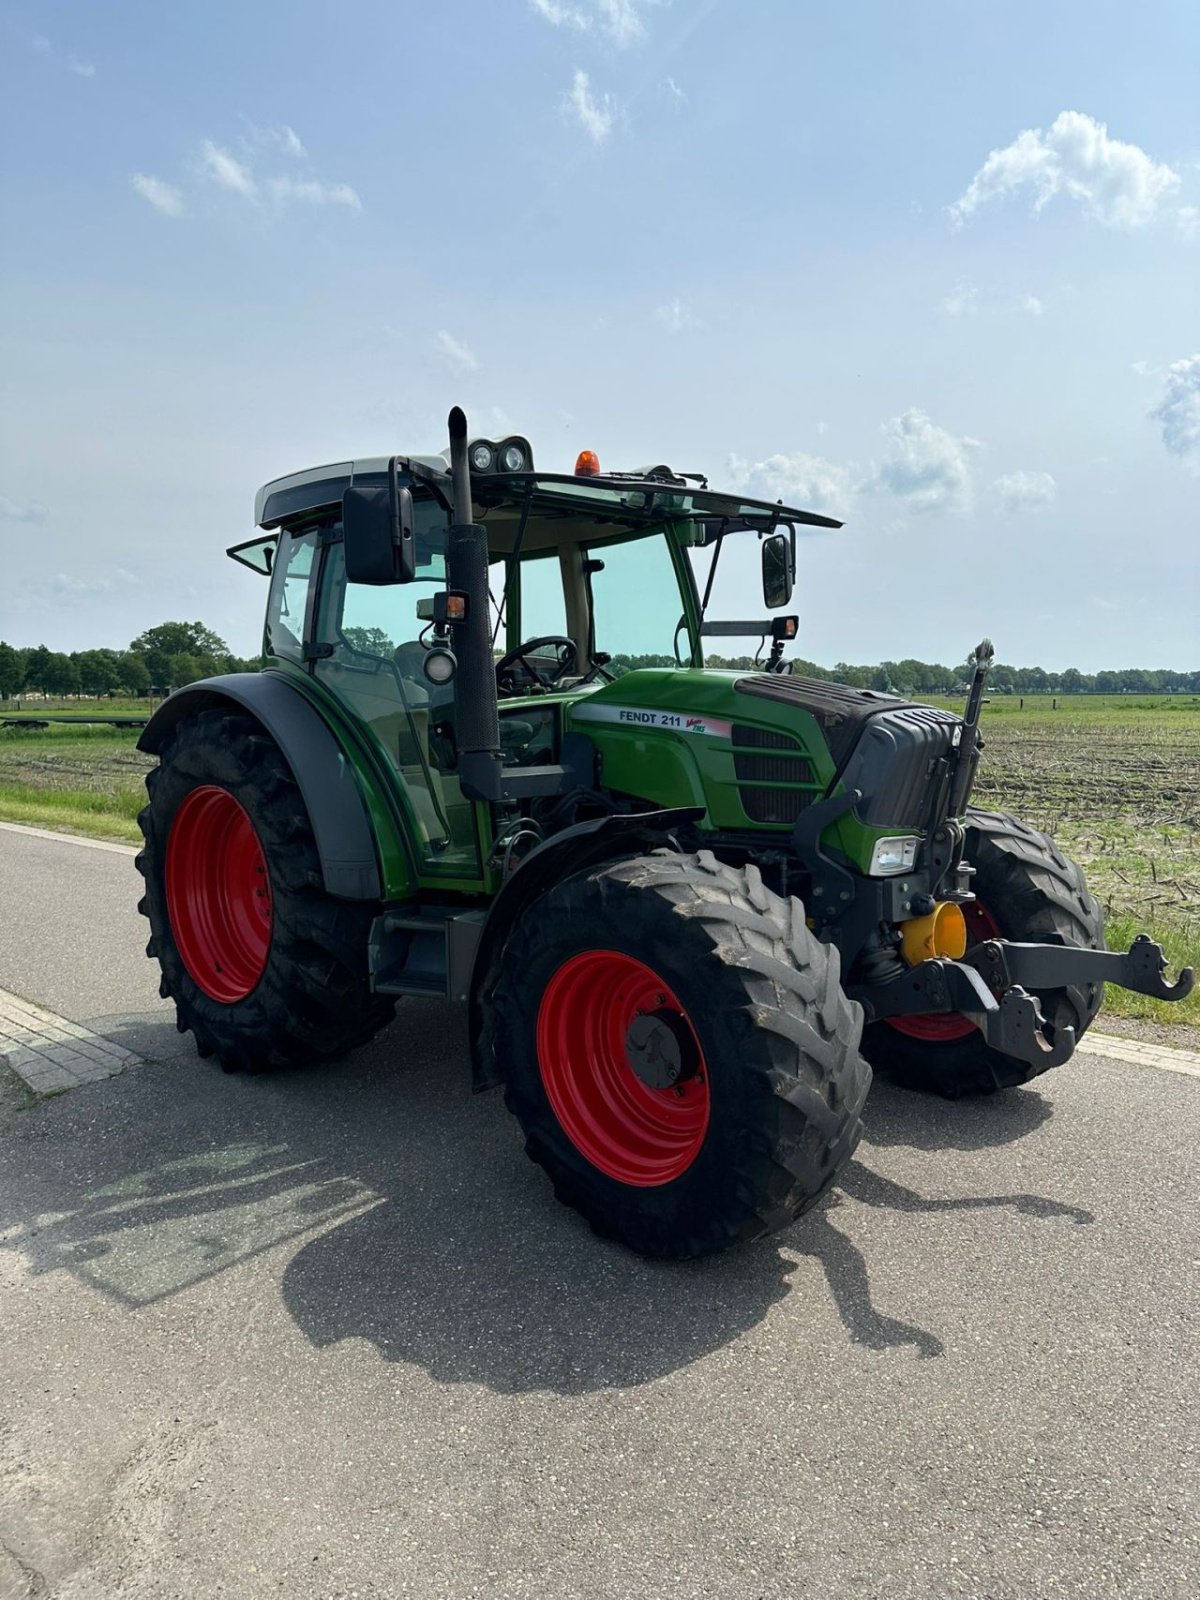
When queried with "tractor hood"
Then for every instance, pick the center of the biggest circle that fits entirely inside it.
(757, 749)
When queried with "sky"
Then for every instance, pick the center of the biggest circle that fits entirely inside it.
(933, 268)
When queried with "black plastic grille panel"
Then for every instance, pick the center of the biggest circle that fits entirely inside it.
(771, 769)
(775, 805)
(763, 738)
(755, 766)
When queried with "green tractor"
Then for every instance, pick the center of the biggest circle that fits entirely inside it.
(685, 907)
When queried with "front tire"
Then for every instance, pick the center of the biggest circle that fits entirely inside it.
(264, 967)
(1028, 891)
(691, 968)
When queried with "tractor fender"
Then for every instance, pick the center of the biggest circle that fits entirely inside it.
(344, 838)
(573, 850)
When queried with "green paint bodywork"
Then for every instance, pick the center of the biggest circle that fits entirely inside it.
(661, 765)
(675, 768)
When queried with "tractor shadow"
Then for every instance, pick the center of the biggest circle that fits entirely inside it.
(414, 1221)
(902, 1117)
(513, 1291)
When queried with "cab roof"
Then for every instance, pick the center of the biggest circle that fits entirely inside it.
(613, 506)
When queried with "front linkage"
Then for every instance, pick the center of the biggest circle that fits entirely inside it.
(990, 986)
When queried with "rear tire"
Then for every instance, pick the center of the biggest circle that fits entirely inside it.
(294, 988)
(1032, 893)
(771, 1111)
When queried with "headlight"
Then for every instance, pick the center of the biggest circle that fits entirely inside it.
(482, 456)
(439, 664)
(891, 856)
(515, 455)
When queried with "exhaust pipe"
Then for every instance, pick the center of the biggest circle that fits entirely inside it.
(476, 704)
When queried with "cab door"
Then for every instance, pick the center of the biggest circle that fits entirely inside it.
(370, 639)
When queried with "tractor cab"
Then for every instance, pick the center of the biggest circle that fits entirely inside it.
(580, 567)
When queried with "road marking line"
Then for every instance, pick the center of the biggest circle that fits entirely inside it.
(1141, 1054)
(70, 838)
(50, 1053)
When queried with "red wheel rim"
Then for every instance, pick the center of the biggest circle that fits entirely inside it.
(941, 1027)
(218, 894)
(636, 1134)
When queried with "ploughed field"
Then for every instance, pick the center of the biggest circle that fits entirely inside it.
(1116, 780)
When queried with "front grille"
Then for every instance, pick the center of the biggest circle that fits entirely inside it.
(775, 805)
(763, 738)
(752, 767)
(771, 769)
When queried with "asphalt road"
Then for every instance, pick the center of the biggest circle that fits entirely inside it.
(329, 1334)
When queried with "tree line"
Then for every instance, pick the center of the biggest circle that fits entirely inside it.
(161, 659)
(177, 653)
(910, 677)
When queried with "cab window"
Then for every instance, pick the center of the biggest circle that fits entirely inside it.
(375, 666)
(287, 607)
(635, 597)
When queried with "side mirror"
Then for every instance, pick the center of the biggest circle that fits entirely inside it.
(377, 530)
(778, 570)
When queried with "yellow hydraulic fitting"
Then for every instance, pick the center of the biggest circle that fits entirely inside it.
(942, 933)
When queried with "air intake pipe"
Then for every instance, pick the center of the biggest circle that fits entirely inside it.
(476, 707)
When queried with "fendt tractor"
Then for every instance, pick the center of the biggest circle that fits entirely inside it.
(685, 907)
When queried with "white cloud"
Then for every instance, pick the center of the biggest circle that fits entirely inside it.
(671, 88)
(927, 467)
(237, 176)
(66, 586)
(798, 479)
(560, 16)
(618, 21)
(315, 192)
(963, 300)
(22, 510)
(1179, 412)
(595, 114)
(73, 63)
(457, 356)
(675, 316)
(1116, 184)
(164, 197)
(282, 138)
(64, 583)
(1033, 305)
(226, 170)
(621, 20)
(1024, 491)
(1187, 219)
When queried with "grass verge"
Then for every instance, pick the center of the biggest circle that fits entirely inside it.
(65, 811)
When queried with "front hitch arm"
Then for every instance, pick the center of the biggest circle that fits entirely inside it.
(1141, 968)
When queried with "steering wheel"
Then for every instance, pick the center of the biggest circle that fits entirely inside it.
(506, 678)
